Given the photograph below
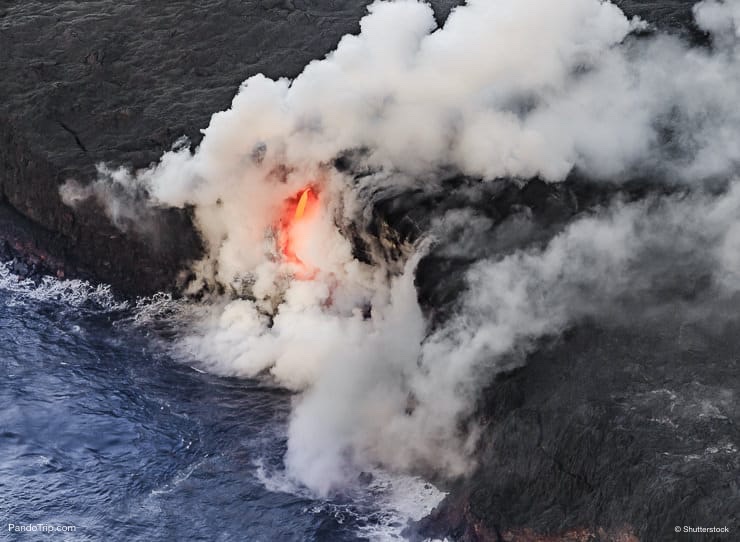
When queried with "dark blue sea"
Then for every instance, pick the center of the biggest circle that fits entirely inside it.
(102, 430)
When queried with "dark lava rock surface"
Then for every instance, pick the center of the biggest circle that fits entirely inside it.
(120, 81)
(616, 434)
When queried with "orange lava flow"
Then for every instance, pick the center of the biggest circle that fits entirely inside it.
(292, 226)
(300, 210)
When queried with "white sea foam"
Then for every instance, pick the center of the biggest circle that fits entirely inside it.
(400, 499)
(381, 509)
(70, 292)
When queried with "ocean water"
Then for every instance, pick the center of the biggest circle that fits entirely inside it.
(101, 429)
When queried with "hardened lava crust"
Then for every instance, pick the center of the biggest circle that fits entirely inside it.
(120, 82)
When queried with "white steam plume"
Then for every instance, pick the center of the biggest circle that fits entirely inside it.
(516, 88)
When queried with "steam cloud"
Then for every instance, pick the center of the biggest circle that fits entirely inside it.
(507, 88)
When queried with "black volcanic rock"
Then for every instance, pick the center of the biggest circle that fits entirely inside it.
(119, 82)
(625, 431)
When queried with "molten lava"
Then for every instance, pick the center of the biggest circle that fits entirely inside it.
(294, 226)
(300, 209)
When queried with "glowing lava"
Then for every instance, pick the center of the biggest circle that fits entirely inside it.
(300, 209)
(295, 227)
